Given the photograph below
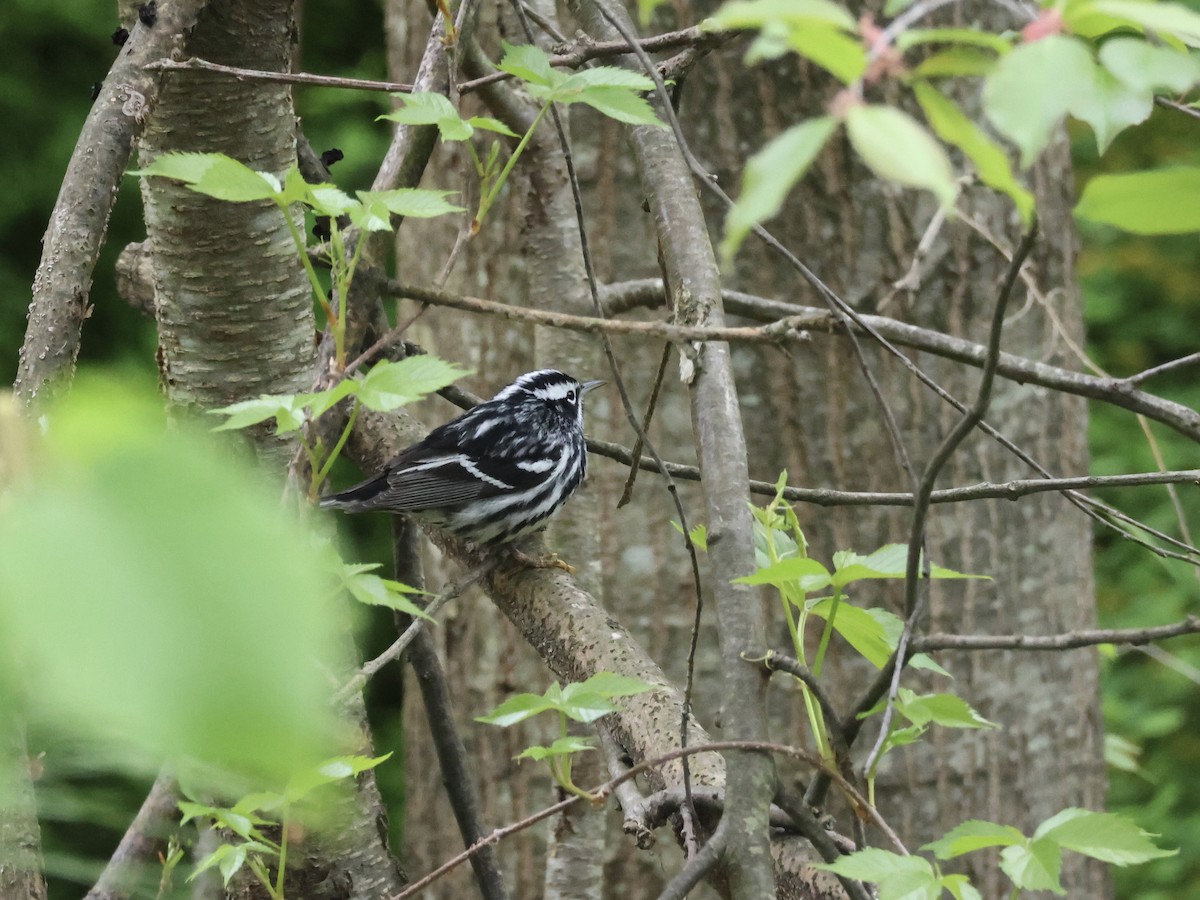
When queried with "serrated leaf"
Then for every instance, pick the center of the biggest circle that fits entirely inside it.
(1034, 87)
(607, 76)
(295, 188)
(952, 125)
(215, 175)
(927, 663)
(393, 384)
(1108, 837)
(617, 103)
(946, 710)
(375, 591)
(1145, 67)
(898, 149)
(284, 408)
(841, 56)
(859, 627)
(889, 561)
(564, 746)
(758, 13)
(1033, 866)
(321, 402)
(516, 709)
(1144, 202)
(528, 63)
(486, 123)
(431, 108)
(583, 706)
(876, 865)
(811, 575)
(960, 887)
(610, 684)
(328, 200)
(1168, 18)
(417, 203)
(770, 174)
(974, 834)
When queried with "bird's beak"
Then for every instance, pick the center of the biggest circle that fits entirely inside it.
(590, 385)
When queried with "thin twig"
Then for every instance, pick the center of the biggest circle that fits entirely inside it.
(1069, 640)
(601, 793)
(913, 582)
(369, 668)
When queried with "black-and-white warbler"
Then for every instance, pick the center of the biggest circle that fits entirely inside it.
(494, 473)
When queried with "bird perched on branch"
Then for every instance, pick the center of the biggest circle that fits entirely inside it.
(496, 472)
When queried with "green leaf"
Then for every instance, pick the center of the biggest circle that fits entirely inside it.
(618, 103)
(516, 709)
(896, 148)
(1108, 837)
(1033, 866)
(876, 865)
(1111, 107)
(528, 63)
(417, 203)
(188, 582)
(1145, 67)
(1034, 87)
(770, 174)
(607, 76)
(956, 62)
(431, 108)
(610, 684)
(215, 175)
(321, 402)
(972, 835)
(564, 746)
(375, 591)
(757, 13)
(485, 123)
(286, 409)
(960, 887)
(889, 561)
(328, 200)
(1167, 18)
(859, 627)
(946, 710)
(952, 125)
(1123, 754)
(583, 706)
(393, 384)
(1144, 202)
(968, 36)
(331, 770)
(811, 575)
(841, 56)
(927, 663)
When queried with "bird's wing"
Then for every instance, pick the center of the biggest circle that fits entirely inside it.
(445, 479)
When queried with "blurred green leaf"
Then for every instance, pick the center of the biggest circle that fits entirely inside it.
(1033, 866)
(1144, 202)
(757, 13)
(393, 384)
(215, 175)
(895, 147)
(564, 746)
(1107, 837)
(189, 585)
(1145, 67)
(770, 174)
(974, 834)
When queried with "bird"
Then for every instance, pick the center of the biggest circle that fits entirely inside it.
(495, 473)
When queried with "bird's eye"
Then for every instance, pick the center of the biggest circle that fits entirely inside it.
(571, 397)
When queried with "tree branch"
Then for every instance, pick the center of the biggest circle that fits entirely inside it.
(89, 188)
(1069, 640)
(141, 844)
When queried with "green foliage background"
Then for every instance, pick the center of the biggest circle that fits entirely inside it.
(1142, 304)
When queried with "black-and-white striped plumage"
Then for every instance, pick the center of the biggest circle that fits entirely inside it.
(494, 473)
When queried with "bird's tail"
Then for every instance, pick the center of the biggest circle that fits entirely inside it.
(357, 498)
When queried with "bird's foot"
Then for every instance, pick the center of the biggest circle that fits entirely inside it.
(542, 560)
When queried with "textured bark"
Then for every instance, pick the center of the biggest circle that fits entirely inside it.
(79, 221)
(233, 304)
(20, 838)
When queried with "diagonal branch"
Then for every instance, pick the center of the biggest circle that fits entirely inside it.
(80, 218)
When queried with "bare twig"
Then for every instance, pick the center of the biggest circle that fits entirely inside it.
(913, 580)
(457, 777)
(1069, 640)
(195, 64)
(141, 844)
